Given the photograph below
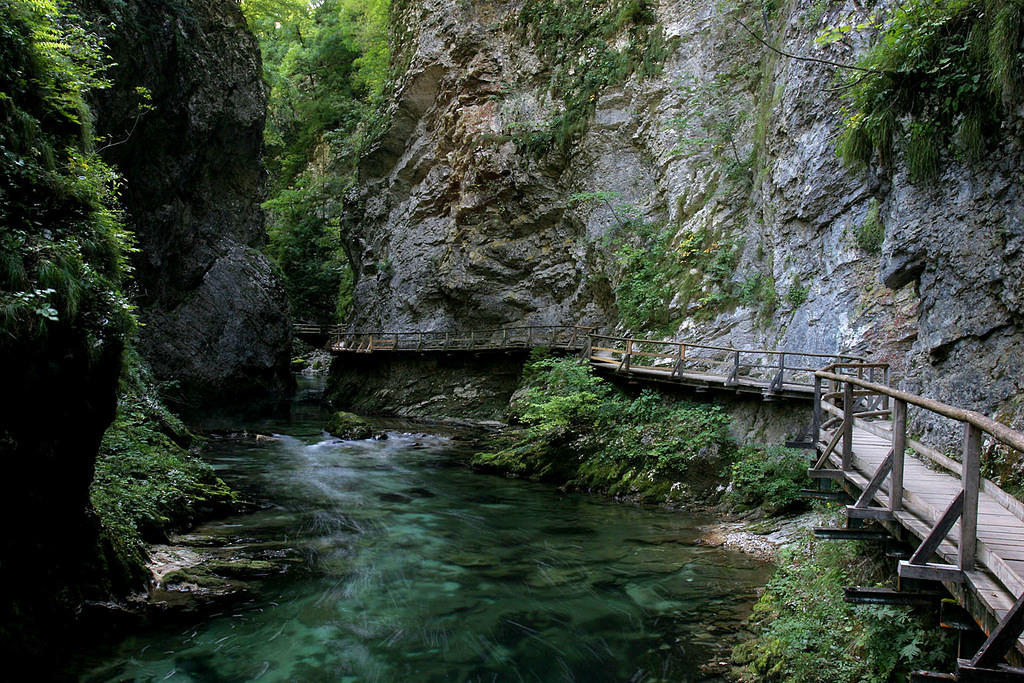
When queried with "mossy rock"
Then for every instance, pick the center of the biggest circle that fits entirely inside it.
(349, 427)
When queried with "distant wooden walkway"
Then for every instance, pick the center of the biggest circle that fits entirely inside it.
(770, 373)
(967, 533)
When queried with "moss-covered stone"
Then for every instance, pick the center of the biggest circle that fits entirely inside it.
(349, 426)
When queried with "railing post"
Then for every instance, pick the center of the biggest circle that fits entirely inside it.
(971, 478)
(629, 353)
(899, 447)
(847, 426)
(395, 336)
(734, 377)
(885, 381)
(816, 417)
(419, 340)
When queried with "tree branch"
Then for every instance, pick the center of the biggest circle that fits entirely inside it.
(801, 58)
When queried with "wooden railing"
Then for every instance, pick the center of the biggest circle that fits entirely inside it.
(570, 337)
(845, 397)
(314, 330)
(771, 370)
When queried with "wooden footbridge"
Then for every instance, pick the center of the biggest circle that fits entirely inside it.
(769, 373)
(964, 532)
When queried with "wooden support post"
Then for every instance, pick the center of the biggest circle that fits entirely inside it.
(876, 482)
(1002, 637)
(629, 353)
(678, 369)
(734, 377)
(816, 417)
(899, 448)
(847, 426)
(395, 339)
(971, 477)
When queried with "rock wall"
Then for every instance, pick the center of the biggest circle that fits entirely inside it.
(458, 226)
(215, 311)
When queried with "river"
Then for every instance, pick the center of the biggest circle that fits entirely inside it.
(410, 567)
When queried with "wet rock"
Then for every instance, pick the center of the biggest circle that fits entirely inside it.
(349, 427)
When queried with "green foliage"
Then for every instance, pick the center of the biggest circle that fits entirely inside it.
(770, 478)
(655, 264)
(805, 632)
(63, 248)
(871, 232)
(325, 65)
(586, 47)
(580, 429)
(796, 295)
(757, 290)
(146, 482)
(943, 73)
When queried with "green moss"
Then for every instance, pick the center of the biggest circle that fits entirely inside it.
(147, 483)
(349, 426)
(805, 632)
(871, 232)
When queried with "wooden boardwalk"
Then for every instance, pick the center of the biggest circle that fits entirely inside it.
(968, 533)
(770, 373)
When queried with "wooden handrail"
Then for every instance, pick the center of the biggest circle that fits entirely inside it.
(713, 347)
(986, 424)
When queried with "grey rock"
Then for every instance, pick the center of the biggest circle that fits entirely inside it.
(215, 314)
(475, 233)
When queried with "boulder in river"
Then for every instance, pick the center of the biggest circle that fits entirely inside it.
(349, 426)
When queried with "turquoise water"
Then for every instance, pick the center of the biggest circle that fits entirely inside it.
(412, 568)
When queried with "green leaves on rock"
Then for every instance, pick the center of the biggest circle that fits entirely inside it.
(943, 73)
(325, 66)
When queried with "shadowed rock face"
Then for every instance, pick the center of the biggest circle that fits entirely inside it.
(215, 312)
(456, 227)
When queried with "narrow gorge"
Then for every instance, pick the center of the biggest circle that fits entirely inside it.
(447, 340)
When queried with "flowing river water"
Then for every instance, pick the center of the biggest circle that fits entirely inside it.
(410, 567)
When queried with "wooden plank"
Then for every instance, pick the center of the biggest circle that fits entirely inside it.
(875, 484)
(930, 572)
(861, 512)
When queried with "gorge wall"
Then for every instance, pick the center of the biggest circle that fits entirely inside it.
(469, 212)
(216, 318)
(214, 310)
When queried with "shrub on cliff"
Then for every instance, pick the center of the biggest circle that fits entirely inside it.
(581, 430)
(769, 478)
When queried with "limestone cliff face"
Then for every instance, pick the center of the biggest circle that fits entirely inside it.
(457, 225)
(215, 312)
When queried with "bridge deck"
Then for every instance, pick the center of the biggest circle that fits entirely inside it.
(927, 492)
